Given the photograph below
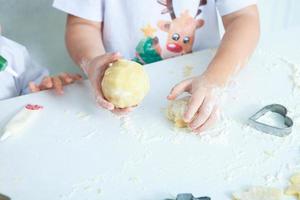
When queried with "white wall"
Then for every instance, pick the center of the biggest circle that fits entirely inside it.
(277, 15)
(40, 27)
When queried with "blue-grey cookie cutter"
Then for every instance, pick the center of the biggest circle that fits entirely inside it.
(276, 131)
(4, 197)
(189, 196)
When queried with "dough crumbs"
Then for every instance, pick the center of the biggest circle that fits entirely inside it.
(83, 116)
(259, 193)
(187, 71)
(269, 153)
(294, 188)
(135, 180)
(176, 110)
(295, 179)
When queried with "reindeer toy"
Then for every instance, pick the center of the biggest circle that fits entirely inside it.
(181, 35)
(181, 30)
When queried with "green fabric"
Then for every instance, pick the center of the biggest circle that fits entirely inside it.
(3, 63)
(147, 52)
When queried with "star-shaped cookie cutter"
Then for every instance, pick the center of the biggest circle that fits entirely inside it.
(4, 197)
(189, 196)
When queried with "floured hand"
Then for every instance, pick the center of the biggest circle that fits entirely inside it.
(95, 70)
(203, 107)
(56, 82)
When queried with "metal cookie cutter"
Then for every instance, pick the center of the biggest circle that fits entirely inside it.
(188, 196)
(276, 108)
(3, 197)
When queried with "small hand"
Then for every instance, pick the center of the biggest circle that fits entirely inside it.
(55, 82)
(203, 109)
(95, 71)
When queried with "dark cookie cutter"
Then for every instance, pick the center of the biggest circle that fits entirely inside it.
(189, 196)
(3, 197)
(276, 131)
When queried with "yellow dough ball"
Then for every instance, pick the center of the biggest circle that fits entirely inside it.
(125, 83)
(176, 110)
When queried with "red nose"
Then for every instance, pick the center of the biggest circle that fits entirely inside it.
(173, 47)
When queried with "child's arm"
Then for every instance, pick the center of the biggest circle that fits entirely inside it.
(240, 39)
(84, 43)
(238, 43)
(83, 39)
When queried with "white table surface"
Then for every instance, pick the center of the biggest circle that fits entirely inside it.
(77, 151)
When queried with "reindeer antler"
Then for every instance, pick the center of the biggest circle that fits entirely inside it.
(169, 8)
(201, 4)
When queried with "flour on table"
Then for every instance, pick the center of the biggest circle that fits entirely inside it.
(295, 114)
(135, 179)
(17, 180)
(67, 112)
(271, 179)
(86, 187)
(259, 193)
(141, 133)
(295, 77)
(295, 68)
(218, 134)
(21, 120)
(90, 134)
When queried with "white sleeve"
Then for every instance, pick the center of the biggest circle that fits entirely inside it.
(226, 7)
(86, 9)
(32, 73)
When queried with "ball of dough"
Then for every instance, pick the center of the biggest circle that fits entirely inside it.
(125, 83)
(176, 110)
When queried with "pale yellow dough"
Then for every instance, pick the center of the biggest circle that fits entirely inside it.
(125, 83)
(259, 193)
(294, 188)
(295, 179)
(175, 111)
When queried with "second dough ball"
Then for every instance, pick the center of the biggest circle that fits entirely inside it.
(125, 83)
(176, 110)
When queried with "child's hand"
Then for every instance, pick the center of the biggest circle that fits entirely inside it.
(203, 109)
(55, 82)
(95, 71)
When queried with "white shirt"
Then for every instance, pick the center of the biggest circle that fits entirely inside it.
(139, 29)
(19, 60)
